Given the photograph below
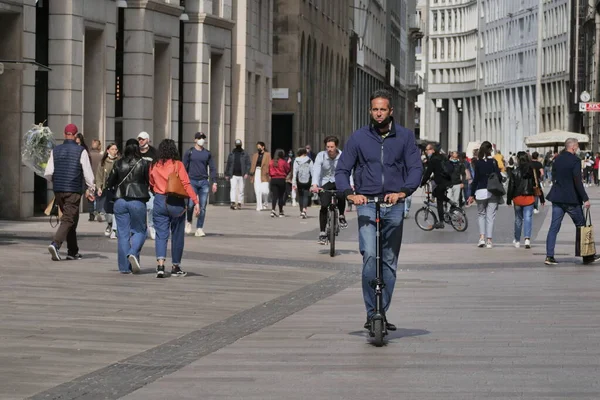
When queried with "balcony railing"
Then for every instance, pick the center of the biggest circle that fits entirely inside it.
(415, 26)
(415, 82)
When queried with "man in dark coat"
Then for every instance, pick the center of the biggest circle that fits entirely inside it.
(567, 195)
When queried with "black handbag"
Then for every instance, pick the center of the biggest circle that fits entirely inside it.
(494, 185)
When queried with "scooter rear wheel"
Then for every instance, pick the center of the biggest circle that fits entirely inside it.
(378, 332)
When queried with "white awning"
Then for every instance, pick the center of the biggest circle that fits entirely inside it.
(555, 137)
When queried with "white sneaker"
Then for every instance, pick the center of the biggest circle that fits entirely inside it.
(517, 244)
(152, 233)
(113, 235)
(527, 243)
(294, 204)
(199, 233)
(488, 244)
(188, 228)
(481, 243)
(536, 211)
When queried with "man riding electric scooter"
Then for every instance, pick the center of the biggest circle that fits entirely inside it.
(387, 165)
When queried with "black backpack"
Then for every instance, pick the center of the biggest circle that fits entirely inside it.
(447, 169)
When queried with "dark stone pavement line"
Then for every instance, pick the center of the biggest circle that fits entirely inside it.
(122, 378)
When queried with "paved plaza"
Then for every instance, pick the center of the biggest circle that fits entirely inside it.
(265, 313)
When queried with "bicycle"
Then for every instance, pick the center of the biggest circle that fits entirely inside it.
(426, 216)
(333, 225)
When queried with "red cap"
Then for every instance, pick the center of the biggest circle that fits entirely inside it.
(71, 128)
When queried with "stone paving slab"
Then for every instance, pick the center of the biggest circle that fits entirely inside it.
(501, 334)
(474, 323)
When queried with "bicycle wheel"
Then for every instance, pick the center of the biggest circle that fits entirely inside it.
(378, 332)
(458, 220)
(332, 230)
(425, 219)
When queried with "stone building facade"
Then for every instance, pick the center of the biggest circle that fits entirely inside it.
(485, 61)
(311, 72)
(121, 67)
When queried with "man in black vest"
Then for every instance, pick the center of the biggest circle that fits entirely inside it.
(68, 165)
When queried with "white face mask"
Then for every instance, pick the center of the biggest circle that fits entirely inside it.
(201, 142)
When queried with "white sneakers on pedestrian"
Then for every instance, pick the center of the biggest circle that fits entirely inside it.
(152, 233)
(517, 243)
(113, 234)
(199, 233)
(488, 244)
(527, 243)
(481, 243)
(188, 228)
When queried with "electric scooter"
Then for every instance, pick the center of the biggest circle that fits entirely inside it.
(378, 328)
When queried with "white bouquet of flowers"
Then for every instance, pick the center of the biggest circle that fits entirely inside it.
(38, 143)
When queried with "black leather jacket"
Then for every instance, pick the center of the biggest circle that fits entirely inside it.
(130, 186)
(521, 182)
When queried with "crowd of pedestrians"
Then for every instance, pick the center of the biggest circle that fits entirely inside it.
(148, 193)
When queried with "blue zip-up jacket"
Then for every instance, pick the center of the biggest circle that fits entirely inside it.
(381, 166)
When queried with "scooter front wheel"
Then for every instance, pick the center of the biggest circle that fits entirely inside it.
(378, 332)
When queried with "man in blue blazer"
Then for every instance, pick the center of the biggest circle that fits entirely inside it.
(567, 195)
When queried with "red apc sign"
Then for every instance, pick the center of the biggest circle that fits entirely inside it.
(589, 107)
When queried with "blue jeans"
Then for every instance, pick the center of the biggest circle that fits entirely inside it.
(558, 212)
(130, 216)
(169, 217)
(201, 189)
(391, 236)
(523, 214)
(548, 173)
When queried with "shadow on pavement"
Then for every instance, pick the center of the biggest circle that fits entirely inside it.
(399, 334)
(326, 251)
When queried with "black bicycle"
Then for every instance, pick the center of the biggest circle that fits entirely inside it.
(426, 216)
(333, 222)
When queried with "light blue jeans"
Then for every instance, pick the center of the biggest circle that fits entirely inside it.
(391, 235)
(201, 189)
(523, 214)
(130, 216)
(407, 204)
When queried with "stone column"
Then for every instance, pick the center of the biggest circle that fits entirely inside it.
(17, 94)
(138, 74)
(452, 125)
(65, 80)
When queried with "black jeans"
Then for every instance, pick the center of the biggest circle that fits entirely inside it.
(278, 191)
(325, 199)
(440, 195)
(303, 195)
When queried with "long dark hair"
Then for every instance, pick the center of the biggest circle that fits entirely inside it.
(79, 136)
(279, 154)
(167, 150)
(524, 163)
(132, 151)
(485, 150)
(105, 156)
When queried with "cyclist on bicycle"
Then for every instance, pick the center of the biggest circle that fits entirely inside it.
(386, 163)
(438, 165)
(323, 178)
